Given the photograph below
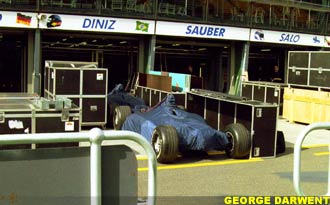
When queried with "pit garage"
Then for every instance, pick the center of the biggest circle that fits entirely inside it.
(120, 54)
(205, 58)
(117, 53)
(263, 57)
(13, 59)
(270, 48)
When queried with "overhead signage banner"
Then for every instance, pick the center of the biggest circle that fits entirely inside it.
(201, 31)
(18, 19)
(281, 37)
(99, 24)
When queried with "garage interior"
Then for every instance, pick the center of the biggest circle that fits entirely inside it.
(119, 54)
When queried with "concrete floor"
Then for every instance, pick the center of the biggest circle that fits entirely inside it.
(208, 179)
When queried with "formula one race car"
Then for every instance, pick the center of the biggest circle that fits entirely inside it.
(119, 97)
(171, 130)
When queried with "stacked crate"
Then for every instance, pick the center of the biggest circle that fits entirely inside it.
(306, 106)
(267, 92)
(309, 69)
(24, 113)
(307, 99)
(219, 110)
(84, 83)
(153, 88)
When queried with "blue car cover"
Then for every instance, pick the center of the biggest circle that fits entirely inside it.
(118, 96)
(192, 130)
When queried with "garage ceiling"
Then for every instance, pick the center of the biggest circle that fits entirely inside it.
(89, 42)
(70, 41)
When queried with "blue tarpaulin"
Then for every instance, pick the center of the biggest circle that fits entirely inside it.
(118, 96)
(192, 130)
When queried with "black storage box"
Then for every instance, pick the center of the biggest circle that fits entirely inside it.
(266, 92)
(153, 96)
(84, 83)
(219, 110)
(309, 68)
(23, 116)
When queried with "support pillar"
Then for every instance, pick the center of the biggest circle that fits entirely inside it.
(239, 65)
(36, 77)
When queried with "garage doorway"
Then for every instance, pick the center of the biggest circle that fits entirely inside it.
(13, 60)
(205, 58)
(116, 53)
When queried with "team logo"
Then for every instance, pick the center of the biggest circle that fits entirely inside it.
(50, 21)
(54, 21)
(327, 40)
(259, 35)
(316, 40)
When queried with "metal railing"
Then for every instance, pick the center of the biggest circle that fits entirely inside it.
(297, 156)
(95, 136)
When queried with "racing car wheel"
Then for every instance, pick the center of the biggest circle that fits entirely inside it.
(240, 139)
(165, 143)
(119, 116)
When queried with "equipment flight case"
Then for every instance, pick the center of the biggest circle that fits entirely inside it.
(84, 83)
(309, 68)
(153, 88)
(267, 92)
(153, 96)
(26, 113)
(219, 110)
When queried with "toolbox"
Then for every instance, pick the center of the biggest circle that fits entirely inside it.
(23, 114)
(84, 83)
(220, 110)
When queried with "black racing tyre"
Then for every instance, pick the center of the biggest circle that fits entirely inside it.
(111, 110)
(119, 116)
(280, 143)
(240, 140)
(165, 143)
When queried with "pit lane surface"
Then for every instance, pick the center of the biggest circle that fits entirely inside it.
(207, 179)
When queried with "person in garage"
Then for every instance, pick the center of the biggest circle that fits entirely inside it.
(277, 76)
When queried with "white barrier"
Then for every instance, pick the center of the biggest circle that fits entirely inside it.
(297, 156)
(95, 136)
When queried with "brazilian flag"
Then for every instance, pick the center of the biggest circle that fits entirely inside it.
(141, 26)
